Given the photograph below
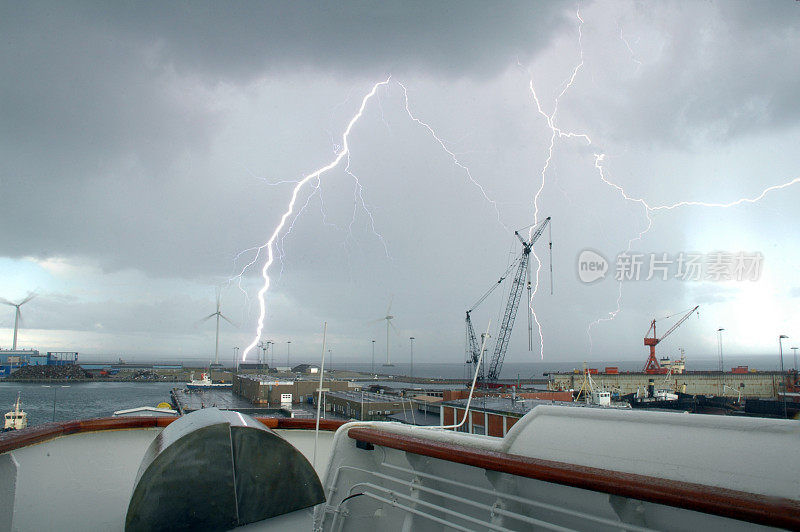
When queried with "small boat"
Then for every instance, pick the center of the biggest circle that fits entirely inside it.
(16, 419)
(205, 382)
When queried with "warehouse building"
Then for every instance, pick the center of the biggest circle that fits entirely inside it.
(365, 406)
(265, 390)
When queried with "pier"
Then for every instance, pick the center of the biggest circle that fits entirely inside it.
(761, 384)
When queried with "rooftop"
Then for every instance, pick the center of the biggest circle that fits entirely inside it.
(416, 417)
(368, 397)
(507, 405)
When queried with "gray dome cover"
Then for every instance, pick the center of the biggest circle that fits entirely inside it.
(215, 470)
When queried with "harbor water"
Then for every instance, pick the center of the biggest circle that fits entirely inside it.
(80, 400)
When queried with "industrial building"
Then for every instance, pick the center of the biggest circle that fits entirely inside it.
(13, 359)
(366, 406)
(266, 390)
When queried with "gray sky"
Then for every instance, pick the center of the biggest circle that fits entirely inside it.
(144, 146)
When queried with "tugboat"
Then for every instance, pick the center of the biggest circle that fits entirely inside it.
(16, 419)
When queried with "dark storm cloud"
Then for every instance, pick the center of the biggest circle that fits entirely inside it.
(99, 100)
(242, 39)
(728, 70)
(133, 134)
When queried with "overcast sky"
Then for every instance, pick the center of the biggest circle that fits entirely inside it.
(143, 146)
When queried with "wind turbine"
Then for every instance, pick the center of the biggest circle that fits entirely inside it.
(388, 317)
(219, 315)
(17, 314)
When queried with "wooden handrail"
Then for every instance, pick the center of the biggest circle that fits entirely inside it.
(16, 439)
(750, 507)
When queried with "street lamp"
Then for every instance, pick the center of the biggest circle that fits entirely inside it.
(372, 367)
(412, 356)
(55, 392)
(721, 363)
(262, 354)
(288, 343)
(236, 358)
(795, 357)
(272, 356)
(330, 356)
(783, 375)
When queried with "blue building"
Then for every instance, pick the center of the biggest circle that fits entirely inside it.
(11, 360)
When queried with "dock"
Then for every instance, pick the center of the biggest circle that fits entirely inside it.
(185, 401)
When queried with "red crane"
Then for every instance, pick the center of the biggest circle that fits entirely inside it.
(652, 365)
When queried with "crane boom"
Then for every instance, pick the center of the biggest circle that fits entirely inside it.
(473, 347)
(514, 296)
(652, 365)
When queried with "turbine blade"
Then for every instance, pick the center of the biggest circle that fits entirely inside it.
(30, 296)
(389, 308)
(224, 317)
(203, 320)
(7, 302)
(397, 332)
(373, 322)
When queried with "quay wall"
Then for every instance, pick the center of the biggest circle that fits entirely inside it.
(762, 384)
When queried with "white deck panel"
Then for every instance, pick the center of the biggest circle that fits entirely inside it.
(84, 481)
(755, 455)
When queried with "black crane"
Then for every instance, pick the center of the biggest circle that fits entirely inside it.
(521, 279)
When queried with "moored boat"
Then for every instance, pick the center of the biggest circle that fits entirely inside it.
(205, 382)
(16, 419)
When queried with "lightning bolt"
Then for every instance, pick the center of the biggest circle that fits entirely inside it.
(649, 209)
(555, 132)
(452, 155)
(342, 153)
(315, 175)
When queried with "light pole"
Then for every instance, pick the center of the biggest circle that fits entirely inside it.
(783, 375)
(55, 393)
(721, 363)
(288, 343)
(236, 359)
(372, 367)
(272, 357)
(330, 356)
(412, 356)
(795, 357)
(262, 355)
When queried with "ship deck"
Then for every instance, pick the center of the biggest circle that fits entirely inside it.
(637, 471)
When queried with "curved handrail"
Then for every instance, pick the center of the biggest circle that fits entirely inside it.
(754, 508)
(22, 438)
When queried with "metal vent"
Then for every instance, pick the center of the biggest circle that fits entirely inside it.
(215, 470)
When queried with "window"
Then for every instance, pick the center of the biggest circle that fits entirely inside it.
(478, 429)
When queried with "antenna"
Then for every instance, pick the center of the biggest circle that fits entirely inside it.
(17, 314)
(218, 315)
